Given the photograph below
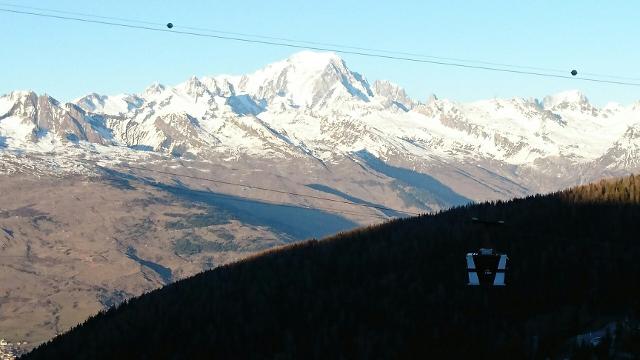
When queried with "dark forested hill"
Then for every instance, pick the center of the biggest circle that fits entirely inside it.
(398, 290)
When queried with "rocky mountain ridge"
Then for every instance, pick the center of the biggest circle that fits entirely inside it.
(312, 104)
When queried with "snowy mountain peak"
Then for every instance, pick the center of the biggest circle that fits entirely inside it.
(110, 105)
(625, 152)
(154, 89)
(572, 99)
(91, 102)
(394, 93)
(220, 85)
(19, 96)
(193, 87)
(307, 79)
(632, 133)
(313, 59)
(431, 98)
(18, 103)
(32, 118)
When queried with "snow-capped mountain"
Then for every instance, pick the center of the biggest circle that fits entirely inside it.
(624, 153)
(93, 191)
(312, 105)
(27, 117)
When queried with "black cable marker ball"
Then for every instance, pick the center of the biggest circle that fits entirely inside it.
(170, 25)
(574, 72)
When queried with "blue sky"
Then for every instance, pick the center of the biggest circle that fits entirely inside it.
(69, 59)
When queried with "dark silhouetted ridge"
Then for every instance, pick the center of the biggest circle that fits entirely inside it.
(398, 290)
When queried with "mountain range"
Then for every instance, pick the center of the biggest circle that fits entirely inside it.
(145, 189)
(312, 106)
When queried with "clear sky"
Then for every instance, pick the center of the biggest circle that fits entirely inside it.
(69, 59)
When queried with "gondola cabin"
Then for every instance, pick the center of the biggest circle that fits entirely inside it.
(486, 268)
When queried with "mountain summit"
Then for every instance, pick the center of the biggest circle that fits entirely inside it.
(572, 100)
(307, 79)
(27, 117)
(313, 106)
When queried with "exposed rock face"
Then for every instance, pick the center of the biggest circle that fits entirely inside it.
(394, 93)
(40, 116)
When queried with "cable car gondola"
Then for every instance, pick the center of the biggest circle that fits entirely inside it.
(486, 267)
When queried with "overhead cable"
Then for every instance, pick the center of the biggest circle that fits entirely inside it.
(319, 48)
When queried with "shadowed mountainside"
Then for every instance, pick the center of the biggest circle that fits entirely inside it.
(397, 290)
(422, 186)
(72, 246)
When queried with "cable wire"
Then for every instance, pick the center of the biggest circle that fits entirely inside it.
(318, 48)
(217, 31)
(81, 14)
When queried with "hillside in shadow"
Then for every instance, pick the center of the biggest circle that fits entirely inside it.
(398, 290)
(294, 222)
(297, 222)
(423, 189)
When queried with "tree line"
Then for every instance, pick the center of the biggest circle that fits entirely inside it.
(398, 290)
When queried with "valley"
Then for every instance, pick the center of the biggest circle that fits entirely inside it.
(107, 197)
